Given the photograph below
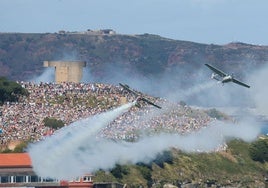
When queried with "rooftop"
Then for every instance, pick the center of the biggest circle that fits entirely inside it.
(15, 160)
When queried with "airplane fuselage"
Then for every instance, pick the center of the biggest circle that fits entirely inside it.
(227, 78)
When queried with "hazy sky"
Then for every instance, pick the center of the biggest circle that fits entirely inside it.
(205, 21)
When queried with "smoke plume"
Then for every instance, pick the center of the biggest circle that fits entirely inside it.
(76, 149)
(259, 90)
(63, 155)
(46, 76)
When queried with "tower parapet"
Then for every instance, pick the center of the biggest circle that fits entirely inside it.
(67, 71)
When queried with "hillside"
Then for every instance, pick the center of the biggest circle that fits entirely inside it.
(230, 168)
(22, 54)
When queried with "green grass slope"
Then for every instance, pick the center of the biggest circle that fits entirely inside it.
(233, 167)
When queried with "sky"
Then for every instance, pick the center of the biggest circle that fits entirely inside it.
(203, 21)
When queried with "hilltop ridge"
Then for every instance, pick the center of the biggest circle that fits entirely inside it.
(146, 54)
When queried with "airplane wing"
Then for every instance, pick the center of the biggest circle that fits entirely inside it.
(151, 103)
(217, 71)
(126, 87)
(240, 83)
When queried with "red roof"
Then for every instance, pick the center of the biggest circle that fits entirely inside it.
(15, 160)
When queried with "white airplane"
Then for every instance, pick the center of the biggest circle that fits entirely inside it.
(223, 77)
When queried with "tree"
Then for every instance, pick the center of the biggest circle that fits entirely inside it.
(119, 170)
(53, 123)
(183, 103)
(146, 173)
(164, 157)
(216, 114)
(10, 91)
(259, 150)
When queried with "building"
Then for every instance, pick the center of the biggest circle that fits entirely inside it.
(109, 185)
(16, 171)
(67, 71)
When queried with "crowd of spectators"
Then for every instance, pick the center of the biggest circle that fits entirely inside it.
(69, 102)
(172, 118)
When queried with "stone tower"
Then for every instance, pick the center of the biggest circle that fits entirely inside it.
(67, 71)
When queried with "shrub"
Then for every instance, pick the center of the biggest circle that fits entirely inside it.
(213, 113)
(259, 150)
(119, 170)
(53, 123)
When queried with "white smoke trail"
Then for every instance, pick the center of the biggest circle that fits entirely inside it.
(62, 156)
(198, 88)
(145, 150)
(75, 150)
(176, 96)
(184, 94)
(259, 90)
(46, 76)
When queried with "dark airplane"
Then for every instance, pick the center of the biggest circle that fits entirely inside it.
(138, 95)
(223, 77)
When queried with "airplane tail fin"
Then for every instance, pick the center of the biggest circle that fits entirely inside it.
(214, 76)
